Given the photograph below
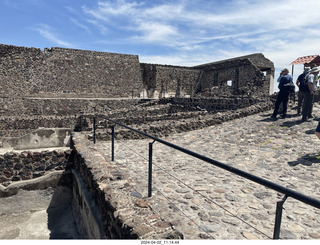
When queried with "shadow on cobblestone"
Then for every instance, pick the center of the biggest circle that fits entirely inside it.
(268, 119)
(290, 124)
(311, 131)
(306, 160)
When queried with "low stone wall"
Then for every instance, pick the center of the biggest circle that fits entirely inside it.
(213, 105)
(28, 165)
(13, 106)
(171, 123)
(20, 116)
(19, 126)
(124, 216)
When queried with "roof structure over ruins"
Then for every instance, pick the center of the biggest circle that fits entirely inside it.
(307, 60)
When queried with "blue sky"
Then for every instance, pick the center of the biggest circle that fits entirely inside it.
(182, 32)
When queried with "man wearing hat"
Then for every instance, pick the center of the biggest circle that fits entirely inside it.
(302, 89)
(283, 95)
(308, 99)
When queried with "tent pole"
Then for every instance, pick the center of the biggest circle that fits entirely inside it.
(292, 70)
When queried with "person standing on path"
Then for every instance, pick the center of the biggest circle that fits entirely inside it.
(283, 95)
(302, 89)
(308, 99)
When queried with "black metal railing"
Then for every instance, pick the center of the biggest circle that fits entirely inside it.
(286, 191)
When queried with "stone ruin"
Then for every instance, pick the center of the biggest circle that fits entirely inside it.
(64, 88)
(55, 88)
(48, 93)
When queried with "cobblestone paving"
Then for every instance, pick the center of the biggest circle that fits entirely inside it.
(205, 202)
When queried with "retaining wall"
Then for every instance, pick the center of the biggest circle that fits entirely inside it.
(124, 216)
(27, 165)
(19, 116)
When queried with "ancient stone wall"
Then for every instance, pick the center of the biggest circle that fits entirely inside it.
(212, 105)
(237, 77)
(59, 71)
(10, 106)
(169, 81)
(19, 116)
(19, 126)
(19, 69)
(243, 76)
(170, 119)
(29, 165)
(260, 61)
(124, 216)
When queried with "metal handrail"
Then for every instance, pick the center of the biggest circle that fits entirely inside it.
(284, 190)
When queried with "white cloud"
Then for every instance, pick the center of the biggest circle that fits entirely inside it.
(207, 31)
(45, 31)
(157, 32)
(77, 23)
(135, 18)
(101, 27)
(107, 9)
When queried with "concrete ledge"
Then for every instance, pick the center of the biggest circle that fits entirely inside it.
(49, 180)
(40, 138)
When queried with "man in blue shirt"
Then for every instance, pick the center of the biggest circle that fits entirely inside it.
(283, 95)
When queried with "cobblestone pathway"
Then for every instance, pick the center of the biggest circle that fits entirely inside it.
(206, 202)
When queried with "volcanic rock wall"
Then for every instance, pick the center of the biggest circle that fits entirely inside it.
(243, 76)
(59, 72)
(238, 77)
(55, 87)
(20, 116)
(28, 165)
(170, 81)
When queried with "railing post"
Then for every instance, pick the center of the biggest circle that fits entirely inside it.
(150, 170)
(112, 142)
(94, 129)
(277, 225)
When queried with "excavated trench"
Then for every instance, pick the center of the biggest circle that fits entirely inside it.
(38, 214)
(39, 209)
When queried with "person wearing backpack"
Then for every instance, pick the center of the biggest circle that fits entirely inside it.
(283, 95)
(303, 87)
(308, 96)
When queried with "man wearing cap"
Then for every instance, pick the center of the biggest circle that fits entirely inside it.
(283, 95)
(302, 89)
(308, 99)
